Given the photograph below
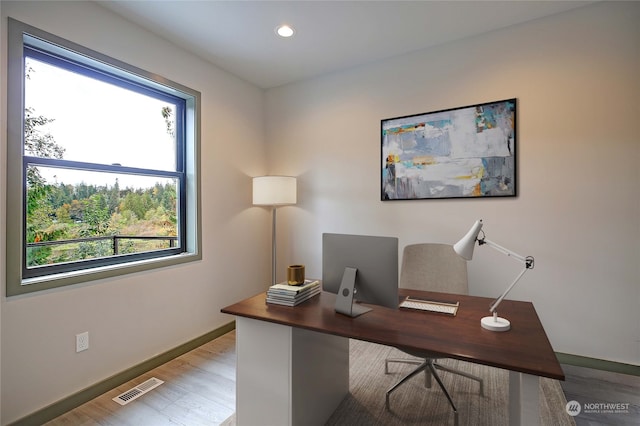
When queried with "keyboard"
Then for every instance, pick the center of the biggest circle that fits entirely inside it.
(430, 306)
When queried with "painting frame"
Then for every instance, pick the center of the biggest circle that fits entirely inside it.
(464, 152)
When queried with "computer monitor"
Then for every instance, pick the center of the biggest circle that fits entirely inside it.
(361, 267)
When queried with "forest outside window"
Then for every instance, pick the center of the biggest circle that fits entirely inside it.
(102, 156)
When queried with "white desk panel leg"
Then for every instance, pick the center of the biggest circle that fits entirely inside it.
(524, 399)
(262, 373)
(320, 375)
(288, 376)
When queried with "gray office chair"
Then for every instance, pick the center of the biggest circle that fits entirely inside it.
(431, 267)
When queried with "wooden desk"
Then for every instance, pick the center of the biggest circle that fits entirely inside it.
(293, 361)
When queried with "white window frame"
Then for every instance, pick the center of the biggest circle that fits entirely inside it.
(16, 283)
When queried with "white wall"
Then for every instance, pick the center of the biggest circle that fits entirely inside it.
(576, 77)
(133, 318)
(578, 213)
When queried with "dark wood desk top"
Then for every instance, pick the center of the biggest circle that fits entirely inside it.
(525, 348)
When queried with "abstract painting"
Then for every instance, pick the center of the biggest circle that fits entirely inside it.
(465, 152)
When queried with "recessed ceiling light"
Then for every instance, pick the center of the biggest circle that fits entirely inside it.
(285, 31)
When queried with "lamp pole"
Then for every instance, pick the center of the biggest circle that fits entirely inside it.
(273, 245)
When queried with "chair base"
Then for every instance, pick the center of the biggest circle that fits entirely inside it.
(429, 367)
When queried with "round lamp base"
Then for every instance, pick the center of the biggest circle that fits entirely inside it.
(495, 324)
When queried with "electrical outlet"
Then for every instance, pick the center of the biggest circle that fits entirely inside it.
(82, 341)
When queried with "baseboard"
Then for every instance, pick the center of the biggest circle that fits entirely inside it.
(69, 403)
(598, 364)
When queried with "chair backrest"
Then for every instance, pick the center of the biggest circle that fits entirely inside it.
(433, 267)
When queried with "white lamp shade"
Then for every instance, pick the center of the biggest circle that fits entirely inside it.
(465, 246)
(274, 190)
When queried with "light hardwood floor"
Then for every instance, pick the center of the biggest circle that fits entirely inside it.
(199, 389)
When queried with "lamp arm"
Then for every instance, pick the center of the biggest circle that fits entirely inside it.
(528, 264)
(495, 304)
(503, 250)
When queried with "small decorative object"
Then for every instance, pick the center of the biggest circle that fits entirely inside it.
(295, 275)
(465, 152)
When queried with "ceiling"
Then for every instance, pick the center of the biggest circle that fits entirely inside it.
(239, 36)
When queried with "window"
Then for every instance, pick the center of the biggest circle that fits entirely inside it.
(102, 172)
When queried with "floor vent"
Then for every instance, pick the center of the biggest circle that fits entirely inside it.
(141, 389)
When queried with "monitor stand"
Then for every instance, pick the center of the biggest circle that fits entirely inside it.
(344, 301)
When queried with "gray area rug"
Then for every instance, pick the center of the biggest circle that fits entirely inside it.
(413, 404)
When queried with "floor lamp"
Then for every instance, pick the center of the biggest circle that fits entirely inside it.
(274, 191)
(465, 247)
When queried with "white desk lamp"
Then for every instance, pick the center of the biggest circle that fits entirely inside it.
(465, 247)
(274, 191)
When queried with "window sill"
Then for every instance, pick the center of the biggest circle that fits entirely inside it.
(76, 277)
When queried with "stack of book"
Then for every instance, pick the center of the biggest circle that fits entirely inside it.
(291, 295)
